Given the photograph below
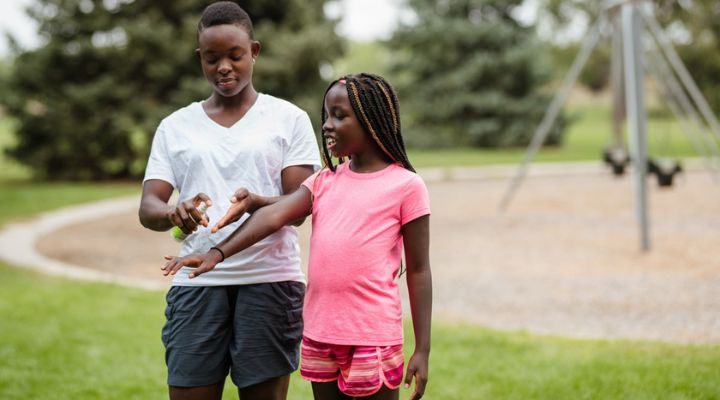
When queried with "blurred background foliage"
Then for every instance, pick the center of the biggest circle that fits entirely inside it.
(88, 100)
(472, 75)
(693, 26)
(85, 104)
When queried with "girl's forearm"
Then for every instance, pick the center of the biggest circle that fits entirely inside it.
(419, 283)
(267, 220)
(261, 224)
(262, 201)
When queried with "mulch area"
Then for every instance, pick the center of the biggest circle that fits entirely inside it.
(564, 259)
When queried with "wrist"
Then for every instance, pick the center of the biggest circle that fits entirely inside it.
(216, 254)
(169, 212)
(256, 202)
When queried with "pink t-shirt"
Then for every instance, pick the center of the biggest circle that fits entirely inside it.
(352, 294)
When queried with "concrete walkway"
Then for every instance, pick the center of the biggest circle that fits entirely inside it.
(563, 260)
(18, 242)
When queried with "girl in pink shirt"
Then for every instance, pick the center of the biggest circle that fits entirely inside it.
(364, 212)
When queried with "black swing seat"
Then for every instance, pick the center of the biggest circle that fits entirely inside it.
(617, 158)
(664, 169)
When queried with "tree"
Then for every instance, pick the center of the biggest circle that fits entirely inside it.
(595, 75)
(88, 101)
(471, 74)
(700, 51)
(696, 30)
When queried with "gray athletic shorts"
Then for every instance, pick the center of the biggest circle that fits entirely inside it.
(252, 331)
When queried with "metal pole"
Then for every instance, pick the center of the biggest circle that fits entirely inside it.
(636, 115)
(683, 73)
(543, 129)
(616, 79)
(674, 91)
(705, 132)
(672, 103)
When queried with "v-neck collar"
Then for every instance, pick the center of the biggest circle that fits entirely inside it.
(248, 114)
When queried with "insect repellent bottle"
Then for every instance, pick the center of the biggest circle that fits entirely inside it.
(178, 234)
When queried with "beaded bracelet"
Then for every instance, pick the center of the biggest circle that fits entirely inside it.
(222, 254)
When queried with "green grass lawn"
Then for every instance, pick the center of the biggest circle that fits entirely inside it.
(63, 339)
(586, 137)
(21, 199)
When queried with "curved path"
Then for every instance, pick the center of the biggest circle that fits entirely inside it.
(564, 259)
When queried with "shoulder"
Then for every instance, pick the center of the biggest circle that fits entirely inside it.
(317, 179)
(409, 184)
(278, 104)
(324, 174)
(182, 116)
(406, 176)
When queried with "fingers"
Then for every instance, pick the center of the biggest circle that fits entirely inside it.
(239, 195)
(175, 219)
(419, 387)
(222, 222)
(230, 216)
(201, 198)
(409, 376)
(198, 218)
(420, 382)
(186, 215)
(239, 203)
(203, 268)
(233, 214)
(179, 217)
(173, 264)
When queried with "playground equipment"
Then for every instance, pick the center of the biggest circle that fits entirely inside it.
(623, 19)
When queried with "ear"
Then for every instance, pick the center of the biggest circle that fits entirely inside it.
(255, 47)
(197, 53)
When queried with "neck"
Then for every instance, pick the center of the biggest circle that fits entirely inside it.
(242, 100)
(367, 162)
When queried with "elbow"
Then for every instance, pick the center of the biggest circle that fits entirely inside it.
(147, 221)
(143, 220)
(299, 222)
(420, 270)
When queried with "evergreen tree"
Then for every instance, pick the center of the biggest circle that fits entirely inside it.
(696, 23)
(88, 100)
(701, 50)
(471, 75)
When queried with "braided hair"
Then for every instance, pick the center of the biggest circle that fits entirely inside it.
(375, 105)
(225, 13)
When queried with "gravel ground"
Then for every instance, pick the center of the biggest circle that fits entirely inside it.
(564, 259)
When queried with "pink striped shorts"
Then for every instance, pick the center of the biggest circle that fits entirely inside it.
(359, 370)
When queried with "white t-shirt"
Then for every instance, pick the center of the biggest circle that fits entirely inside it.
(195, 154)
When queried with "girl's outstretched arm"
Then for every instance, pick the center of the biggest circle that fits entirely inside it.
(416, 239)
(258, 226)
(244, 201)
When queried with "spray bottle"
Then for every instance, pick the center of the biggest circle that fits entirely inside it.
(178, 234)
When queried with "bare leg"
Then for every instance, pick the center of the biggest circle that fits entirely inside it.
(271, 389)
(384, 394)
(328, 391)
(209, 392)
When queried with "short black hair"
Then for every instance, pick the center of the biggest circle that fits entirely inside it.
(226, 13)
